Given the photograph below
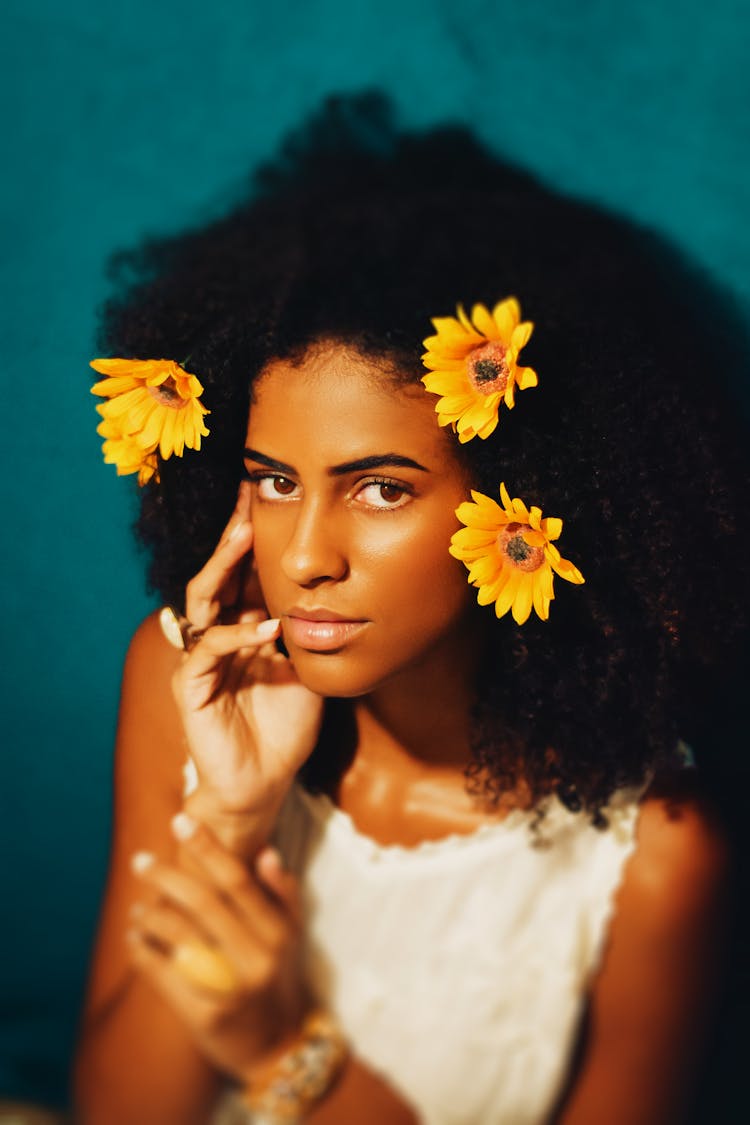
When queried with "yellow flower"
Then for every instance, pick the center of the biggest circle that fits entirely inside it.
(472, 364)
(126, 454)
(510, 555)
(151, 404)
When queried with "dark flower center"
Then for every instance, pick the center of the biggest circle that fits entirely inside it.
(517, 551)
(487, 368)
(166, 393)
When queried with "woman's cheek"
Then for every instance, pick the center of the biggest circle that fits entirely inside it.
(267, 551)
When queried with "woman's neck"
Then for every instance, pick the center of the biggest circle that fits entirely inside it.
(421, 718)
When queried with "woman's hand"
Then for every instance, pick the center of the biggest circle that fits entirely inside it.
(252, 920)
(249, 722)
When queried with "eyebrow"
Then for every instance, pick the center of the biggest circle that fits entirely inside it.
(360, 464)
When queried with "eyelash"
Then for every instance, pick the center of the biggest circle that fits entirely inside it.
(406, 491)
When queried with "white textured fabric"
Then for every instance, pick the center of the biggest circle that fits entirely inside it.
(459, 968)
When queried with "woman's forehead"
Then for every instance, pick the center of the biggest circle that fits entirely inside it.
(346, 404)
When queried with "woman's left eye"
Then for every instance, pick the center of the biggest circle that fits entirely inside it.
(382, 494)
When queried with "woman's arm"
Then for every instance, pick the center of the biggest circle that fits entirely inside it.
(136, 1061)
(652, 1003)
(253, 1026)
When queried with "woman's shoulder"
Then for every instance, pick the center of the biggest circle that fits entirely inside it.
(150, 664)
(149, 649)
(652, 998)
(680, 869)
(149, 728)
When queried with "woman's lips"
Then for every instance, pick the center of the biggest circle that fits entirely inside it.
(320, 635)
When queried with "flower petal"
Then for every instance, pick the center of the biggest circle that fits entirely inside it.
(446, 383)
(534, 538)
(523, 600)
(526, 377)
(569, 572)
(115, 366)
(541, 600)
(114, 385)
(484, 570)
(490, 593)
(482, 318)
(488, 428)
(552, 527)
(506, 315)
(521, 334)
(507, 595)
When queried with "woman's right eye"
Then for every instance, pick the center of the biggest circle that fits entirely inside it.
(274, 487)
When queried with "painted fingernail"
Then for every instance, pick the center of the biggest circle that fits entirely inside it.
(238, 530)
(267, 629)
(141, 861)
(183, 826)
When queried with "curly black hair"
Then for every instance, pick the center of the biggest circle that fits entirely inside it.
(360, 233)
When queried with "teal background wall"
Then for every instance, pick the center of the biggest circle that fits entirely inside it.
(125, 119)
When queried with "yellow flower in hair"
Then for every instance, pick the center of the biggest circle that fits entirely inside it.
(125, 453)
(152, 404)
(473, 366)
(510, 554)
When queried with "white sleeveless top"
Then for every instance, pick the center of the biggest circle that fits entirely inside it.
(458, 969)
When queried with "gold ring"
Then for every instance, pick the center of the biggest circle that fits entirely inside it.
(180, 632)
(203, 965)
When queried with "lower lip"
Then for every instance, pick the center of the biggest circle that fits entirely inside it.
(320, 636)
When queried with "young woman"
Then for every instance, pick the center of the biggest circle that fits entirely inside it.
(390, 846)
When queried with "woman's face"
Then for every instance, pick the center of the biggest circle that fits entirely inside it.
(354, 493)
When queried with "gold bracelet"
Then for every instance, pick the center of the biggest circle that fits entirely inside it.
(301, 1076)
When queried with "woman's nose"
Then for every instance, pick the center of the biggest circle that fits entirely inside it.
(315, 552)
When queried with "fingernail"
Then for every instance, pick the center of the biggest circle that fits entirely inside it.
(141, 861)
(136, 909)
(183, 826)
(266, 629)
(238, 530)
(251, 617)
(270, 857)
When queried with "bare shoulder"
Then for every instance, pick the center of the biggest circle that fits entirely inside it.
(150, 657)
(652, 1001)
(148, 718)
(681, 867)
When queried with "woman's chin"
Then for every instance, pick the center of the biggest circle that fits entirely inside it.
(332, 674)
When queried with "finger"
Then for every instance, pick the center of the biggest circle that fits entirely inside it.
(195, 1002)
(264, 909)
(240, 513)
(251, 616)
(223, 640)
(209, 654)
(232, 919)
(164, 925)
(285, 888)
(208, 591)
(230, 595)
